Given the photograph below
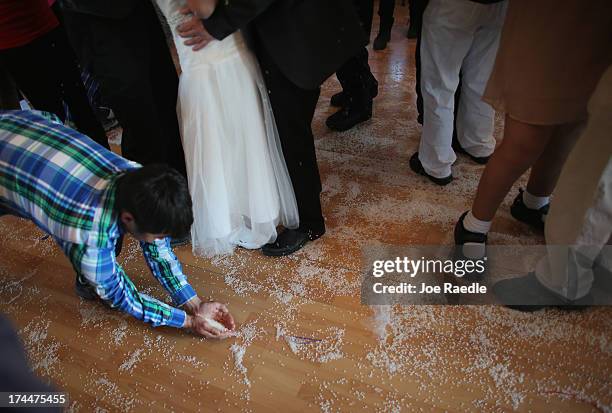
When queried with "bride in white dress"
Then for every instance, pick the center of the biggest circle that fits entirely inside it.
(237, 175)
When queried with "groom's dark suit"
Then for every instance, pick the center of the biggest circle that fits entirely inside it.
(122, 43)
(299, 44)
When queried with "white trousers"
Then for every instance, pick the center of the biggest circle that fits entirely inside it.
(457, 36)
(579, 223)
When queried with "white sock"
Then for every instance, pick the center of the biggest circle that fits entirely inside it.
(535, 202)
(473, 224)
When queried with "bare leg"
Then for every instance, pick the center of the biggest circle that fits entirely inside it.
(546, 171)
(522, 146)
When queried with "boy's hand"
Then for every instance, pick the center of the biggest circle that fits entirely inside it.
(218, 312)
(192, 305)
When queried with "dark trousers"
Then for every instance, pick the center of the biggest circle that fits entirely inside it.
(130, 60)
(355, 75)
(47, 73)
(9, 95)
(365, 11)
(294, 109)
(356, 79)
(385, 12)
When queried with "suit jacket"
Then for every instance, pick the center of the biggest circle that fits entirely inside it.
(307, 39)
(114, 9)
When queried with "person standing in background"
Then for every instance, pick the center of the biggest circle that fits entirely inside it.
(579, 225)
(9, 94)
(457, 37)
(31, 36)
(295, 56)
(385, 13)
(545, 107)
(359, 86)
(123, 44)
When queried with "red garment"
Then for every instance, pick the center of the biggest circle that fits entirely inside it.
(22, 21)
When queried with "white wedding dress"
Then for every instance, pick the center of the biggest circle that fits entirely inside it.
(237, 175)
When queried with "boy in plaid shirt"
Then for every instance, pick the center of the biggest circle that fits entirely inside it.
(86, 198)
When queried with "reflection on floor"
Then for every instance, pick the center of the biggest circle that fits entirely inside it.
(306, 342)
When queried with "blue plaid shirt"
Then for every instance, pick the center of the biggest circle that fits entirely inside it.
(65, 183)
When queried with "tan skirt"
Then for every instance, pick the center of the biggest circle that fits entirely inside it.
(551, 56)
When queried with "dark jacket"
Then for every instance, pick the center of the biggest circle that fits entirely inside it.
(307, 39)
(114, 9)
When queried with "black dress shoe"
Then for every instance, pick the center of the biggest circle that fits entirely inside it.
(468, 244)
(338, 100)
(482, 160)
(417, 166)
(288, 242)
(348, 117)
(380, 42)
(532, 217)
(527, 294)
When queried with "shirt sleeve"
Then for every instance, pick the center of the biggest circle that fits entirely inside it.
(98, 266)
(166, 267)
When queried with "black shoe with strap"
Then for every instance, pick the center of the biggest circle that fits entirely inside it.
(533, 217)
(417, 166)
(465, 240)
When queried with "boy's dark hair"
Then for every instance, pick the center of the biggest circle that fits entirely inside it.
(158, 198)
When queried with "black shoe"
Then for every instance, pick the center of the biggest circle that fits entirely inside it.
(341, 99)
(417, 166)
(532, 217)
(348, 116)
(384, 34)
(338, 100)
(412, 33)
(526, 293)
(467, 243)
(288, 242)
(85, 290)
(380, 42)
(482, 160)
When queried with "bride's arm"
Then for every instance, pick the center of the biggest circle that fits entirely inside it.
(202, 8)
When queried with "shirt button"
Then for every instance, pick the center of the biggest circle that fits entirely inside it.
(269, 92)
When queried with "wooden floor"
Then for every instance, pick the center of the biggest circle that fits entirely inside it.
(306, 343)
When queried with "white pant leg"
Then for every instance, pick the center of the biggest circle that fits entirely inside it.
(475, 117)
(579, 223)
(446, 37)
